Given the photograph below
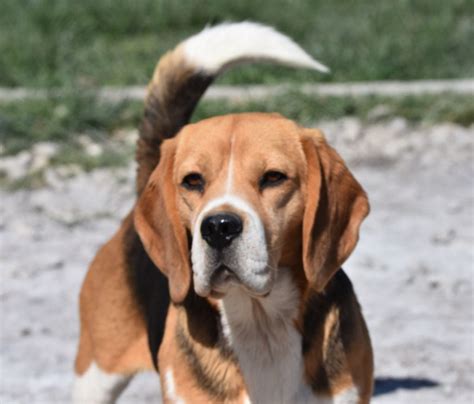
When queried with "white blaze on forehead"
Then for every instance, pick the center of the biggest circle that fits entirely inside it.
(230, 169)
(226, 200)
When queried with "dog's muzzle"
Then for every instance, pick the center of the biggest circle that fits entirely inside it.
(229, 249)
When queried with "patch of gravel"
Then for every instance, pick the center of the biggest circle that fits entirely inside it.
(28, 162)
(412, 270)
(256, 92)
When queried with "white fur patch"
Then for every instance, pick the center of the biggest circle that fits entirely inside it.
(170, 388)
(230, 169)
(98, 387)
(216, 48)
(262, 335)
(350, 396)
(268, 347)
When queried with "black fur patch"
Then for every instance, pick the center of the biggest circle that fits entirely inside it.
(199, 313)
(338, 293)
(164, 121)
(205, 328)
(151, 290)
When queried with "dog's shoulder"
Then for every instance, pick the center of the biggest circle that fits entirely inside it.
(334, 335)
(149, 287)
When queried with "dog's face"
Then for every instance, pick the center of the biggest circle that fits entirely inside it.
(247, 194)
(239, 200)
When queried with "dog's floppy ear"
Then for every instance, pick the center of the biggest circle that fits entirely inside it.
(159, 226)
(335, 206)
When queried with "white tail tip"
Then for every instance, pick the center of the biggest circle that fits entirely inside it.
(216, 48)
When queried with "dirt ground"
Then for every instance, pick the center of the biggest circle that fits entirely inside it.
(412, 270)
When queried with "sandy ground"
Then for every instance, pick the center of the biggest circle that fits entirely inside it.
(412, 270)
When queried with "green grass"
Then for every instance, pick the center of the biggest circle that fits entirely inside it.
(306, 109)
(71, 154)
(110, 157)
(90, 43)
(61, 119)
(31, 181)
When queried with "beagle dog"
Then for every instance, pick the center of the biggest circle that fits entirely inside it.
(226, 277)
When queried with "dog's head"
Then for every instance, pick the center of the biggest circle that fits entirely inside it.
(237, 197)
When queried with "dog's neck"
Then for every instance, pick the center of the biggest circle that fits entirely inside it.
(263, 336)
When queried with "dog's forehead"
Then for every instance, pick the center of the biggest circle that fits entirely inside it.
(246, 134)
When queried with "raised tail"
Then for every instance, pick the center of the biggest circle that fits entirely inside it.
(183, 75)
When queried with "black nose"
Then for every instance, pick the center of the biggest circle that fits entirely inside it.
(219, 230)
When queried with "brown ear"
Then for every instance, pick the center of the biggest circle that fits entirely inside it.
(335, 206)
(160, 228)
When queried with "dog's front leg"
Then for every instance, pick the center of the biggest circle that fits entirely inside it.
(95, 386)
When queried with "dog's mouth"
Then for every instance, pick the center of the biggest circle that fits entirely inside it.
(222, 278)
(218, 273)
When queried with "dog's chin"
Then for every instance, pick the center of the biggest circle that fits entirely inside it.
(225, 279)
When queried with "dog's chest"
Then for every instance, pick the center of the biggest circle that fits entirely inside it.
(262, 334)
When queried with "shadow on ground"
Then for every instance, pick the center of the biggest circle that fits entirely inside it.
(385, 385)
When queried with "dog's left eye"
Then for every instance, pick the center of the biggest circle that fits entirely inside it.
(272, 178)
(193, 182)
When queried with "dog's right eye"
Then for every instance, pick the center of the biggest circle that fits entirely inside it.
(272, 178)
(193, 182)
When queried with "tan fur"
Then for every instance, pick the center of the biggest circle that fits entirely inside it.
(311, 223)
(223, 371)
(157, 217)
(345, 368)
(311, 166)
(335, 207)
(171, 97)
(304, 230)
(113, 332)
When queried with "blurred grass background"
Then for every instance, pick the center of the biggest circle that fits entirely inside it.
(61, 118)
(78, 46)
(117, 42)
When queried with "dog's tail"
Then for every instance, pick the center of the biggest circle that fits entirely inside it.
(183, 75)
